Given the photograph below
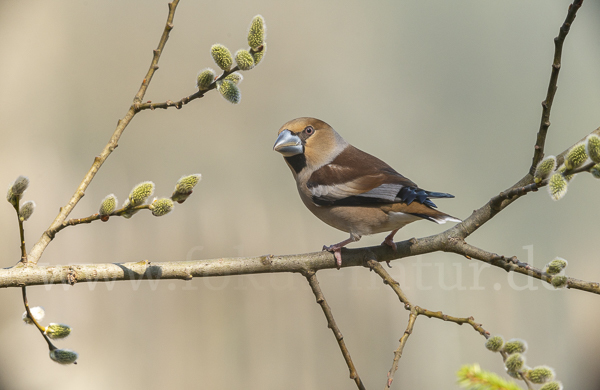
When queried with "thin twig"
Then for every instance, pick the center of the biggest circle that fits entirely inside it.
(311, 276)
(98, 217)
(415, 311)
(16, 205)
(157, 53)
(457, 320)
(547, 104)
(387, 279)
(398, 352)
(32, 318)
(38, 249)
(180, 103)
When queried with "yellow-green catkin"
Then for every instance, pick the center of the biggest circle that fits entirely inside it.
(161, 207)
(559, 281)
(557, 186)
(244, 60)
(235, 77)
(229, 91)
(540, 374)
(514, 362)
(592, 144)
(64, 356)
(494, 343)
(552, 386)
(222, 56)
(515, 346)
(184, 187)
(26, 210)
(556, 266)
(544, 169)
(57, 331)
(259, 53)
(257, 32)
(205, 79)
(108, 205)
(576, 156)
(140, 193)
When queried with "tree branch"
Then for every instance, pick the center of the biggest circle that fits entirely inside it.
(547, 104)
(28, 275)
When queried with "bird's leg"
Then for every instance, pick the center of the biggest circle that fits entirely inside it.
(389, 240)
(337, 249)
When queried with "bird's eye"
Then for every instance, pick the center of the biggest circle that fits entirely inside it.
(309, 130)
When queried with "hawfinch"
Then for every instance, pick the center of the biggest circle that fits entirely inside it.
(349, 189)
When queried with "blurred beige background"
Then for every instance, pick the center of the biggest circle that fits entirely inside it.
(447, 92)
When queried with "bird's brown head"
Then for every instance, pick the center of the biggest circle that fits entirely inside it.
(308, 142)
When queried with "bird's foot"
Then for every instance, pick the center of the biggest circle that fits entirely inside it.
(337, 249)
(389, 241)
(337, 253)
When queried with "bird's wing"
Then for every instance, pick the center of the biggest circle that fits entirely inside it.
(355, 178)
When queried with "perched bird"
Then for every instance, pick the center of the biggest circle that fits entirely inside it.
(349, 189)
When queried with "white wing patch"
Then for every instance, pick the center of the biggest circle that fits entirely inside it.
(332, 193)
(385, 191)
(340, 191)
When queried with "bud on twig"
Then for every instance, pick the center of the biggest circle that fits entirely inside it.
(161, 207)
(235, 78)
(556, 266)
(229, 91)
(140, 193)
(557, 186)
(244, 60)
(222, 56)
(494, 343)
(540, 374)
(184, 187)
(257, 32)
(57, 331)
(544, 169)
(576, 156)
(205, 78)
(108, 205)
(16, 190)
(592, 145)
(26, 210)
(64, 356)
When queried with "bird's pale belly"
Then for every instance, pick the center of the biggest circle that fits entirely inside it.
(362, 220)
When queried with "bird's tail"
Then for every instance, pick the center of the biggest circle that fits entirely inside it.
(431, 194)
(438, 217)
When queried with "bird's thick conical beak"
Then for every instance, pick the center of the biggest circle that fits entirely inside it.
(288, 144)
